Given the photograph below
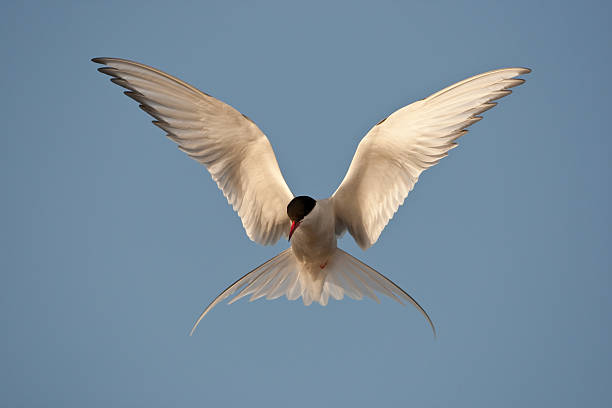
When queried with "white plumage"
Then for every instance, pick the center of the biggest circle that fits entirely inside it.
(285, 275)
(385, 168)
(390, 158)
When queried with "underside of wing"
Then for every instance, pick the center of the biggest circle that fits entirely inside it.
(237, 154)
(391, 157)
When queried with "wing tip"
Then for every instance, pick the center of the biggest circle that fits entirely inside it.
(518, 70)
(524, 70)
(110, 71)
(100, 60)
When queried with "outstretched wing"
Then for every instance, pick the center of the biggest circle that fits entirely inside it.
(237, 154)
(390, 158)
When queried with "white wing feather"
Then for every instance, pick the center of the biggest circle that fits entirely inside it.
(237, 154)
(390, 158)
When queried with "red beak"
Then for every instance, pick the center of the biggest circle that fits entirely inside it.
(294, 226)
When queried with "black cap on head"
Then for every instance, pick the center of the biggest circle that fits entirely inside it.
(300, 207)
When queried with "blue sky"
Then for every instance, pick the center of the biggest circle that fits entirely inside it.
(113, 241)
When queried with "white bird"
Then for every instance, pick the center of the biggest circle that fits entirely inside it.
(240, 159)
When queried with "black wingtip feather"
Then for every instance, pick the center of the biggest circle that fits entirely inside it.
(151, 112)
(108, 71)
(137, 96)
(162, 125)
(123, 83)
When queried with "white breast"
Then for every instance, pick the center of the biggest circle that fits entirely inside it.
(314, 241)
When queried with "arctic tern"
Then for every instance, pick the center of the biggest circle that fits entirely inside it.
(240, 159)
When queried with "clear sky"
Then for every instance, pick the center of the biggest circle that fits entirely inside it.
(113, 241)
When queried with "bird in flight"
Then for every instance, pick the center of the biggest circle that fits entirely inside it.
(240, 159)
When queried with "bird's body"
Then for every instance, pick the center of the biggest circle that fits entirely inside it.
(240, 159)
(314, 242)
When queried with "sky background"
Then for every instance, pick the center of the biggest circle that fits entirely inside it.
(113, 241)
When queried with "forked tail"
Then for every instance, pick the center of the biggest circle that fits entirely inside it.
(284, 275)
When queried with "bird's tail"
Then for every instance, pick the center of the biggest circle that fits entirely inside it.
(285, 275)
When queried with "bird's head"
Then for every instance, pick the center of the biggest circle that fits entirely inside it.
(297, 209)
